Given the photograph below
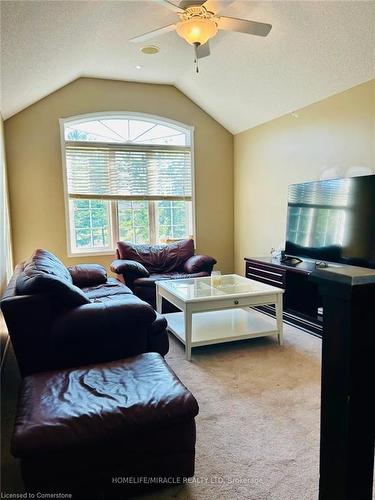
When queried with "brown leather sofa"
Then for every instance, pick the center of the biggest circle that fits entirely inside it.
(62, 317)
(139, 266)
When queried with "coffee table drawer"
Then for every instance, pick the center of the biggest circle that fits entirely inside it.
(235, 302)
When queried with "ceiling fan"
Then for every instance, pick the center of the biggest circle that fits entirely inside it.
(199, 21)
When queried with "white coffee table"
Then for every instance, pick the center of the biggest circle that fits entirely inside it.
(218, 311)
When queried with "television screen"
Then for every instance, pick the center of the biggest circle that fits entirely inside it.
(333, 220)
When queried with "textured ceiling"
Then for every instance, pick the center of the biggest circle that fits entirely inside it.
(315, 49)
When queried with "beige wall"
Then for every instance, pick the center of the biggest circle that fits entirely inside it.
(35, 173)
(332, 138)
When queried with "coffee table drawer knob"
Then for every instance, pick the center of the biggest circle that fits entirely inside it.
(236, 302)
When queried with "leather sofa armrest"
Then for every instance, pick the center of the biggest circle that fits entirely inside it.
(88, 275)
(136, 269)
(199, 263)
(110, 318)
(29, 319)
(157, 336)
(102, 331)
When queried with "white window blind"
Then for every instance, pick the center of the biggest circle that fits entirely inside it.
(120, 171)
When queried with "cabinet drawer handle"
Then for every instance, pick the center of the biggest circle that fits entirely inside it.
(236, 302)
(262, 270)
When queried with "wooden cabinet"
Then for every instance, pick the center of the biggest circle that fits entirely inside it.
(347, 406)
(302, 302)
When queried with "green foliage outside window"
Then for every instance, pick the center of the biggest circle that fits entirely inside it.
(91, 223)
(172, 219)
(133, 217)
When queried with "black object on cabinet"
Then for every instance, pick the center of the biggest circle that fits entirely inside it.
(347, 396)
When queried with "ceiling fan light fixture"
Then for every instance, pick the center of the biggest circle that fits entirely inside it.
(197, 30)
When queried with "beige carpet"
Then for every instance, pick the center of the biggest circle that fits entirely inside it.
(258, 426)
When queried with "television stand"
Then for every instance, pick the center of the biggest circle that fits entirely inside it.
(302, 301)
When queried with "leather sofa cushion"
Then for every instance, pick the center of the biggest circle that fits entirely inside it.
(46, 262)
(45, 273)
(150, 281)
(73, 408)
(111, 290)
(88, 274)
(158, 258)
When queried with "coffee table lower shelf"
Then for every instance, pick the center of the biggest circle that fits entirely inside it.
(215, 327)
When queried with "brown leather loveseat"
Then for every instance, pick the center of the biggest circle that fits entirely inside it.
(141, 265)
(61, 317)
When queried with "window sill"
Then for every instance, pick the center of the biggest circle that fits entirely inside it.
(93, 253)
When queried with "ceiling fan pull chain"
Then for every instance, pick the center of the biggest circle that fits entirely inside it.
(196, 45)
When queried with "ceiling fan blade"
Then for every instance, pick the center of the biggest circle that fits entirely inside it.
(244, 26)
(189, 3)
(203, 51)
(216, 6)
(153, 34)
(170, 5)
(184, 4)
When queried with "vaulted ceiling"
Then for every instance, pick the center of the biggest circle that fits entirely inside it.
(315, 49)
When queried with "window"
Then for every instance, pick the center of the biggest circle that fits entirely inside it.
(126, 178)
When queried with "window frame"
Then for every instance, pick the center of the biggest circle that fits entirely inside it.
(113, 215)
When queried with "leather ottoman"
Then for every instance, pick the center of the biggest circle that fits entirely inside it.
(107, 430)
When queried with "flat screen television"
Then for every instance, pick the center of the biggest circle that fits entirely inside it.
(333, 220)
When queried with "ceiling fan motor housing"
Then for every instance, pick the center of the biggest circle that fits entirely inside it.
(196, 11)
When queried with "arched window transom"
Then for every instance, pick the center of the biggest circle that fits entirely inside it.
(127, 131)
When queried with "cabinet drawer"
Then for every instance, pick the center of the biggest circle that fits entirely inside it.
(270, 275)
